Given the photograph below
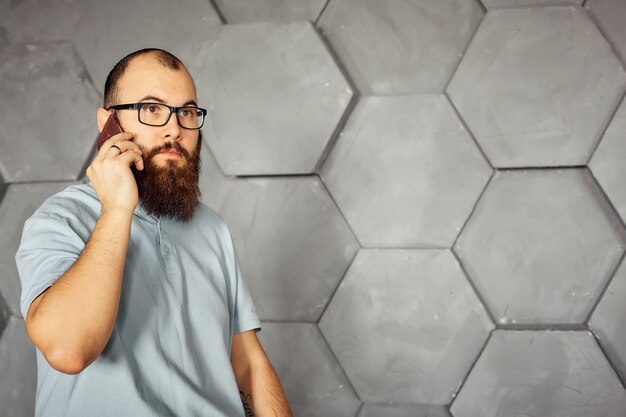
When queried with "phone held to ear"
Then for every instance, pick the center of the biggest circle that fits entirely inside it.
(111, 127)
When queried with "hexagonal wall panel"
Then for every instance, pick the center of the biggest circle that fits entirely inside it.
(276, 99)
(39, 20)
(3, 188)
(541, 373)
(403, 410)
(537, 86)
(387, 46)
(607, 163)
(19, 203)
(247, 11)
(405, 325)
(47, 112)
(493, 4)
(111, 29)
(609, 16)
(314, 383)
(214, 185)
(405, 172)
(5, 313)
(541, 245)
(609, 319)
(292, 242)
(18, 368)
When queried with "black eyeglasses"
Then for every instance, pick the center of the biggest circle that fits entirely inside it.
(158, 114)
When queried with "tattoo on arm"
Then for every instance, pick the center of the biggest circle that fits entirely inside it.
(247, 407)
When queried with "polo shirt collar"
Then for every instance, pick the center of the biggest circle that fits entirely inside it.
(139, 211)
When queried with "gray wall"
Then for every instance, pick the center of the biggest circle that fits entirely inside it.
(426, 195)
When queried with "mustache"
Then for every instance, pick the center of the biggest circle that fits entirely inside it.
(176, 146)
(173, 145)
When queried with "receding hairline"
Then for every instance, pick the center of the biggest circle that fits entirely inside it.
(164, 58)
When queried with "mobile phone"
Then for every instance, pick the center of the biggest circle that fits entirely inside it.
(111, 127)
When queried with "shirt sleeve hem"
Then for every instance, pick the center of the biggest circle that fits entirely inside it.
(248, 325)
(34, 293)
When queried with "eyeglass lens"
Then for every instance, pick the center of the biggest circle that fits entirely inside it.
(157, 115)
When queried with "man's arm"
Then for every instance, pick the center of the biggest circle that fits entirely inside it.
(72, 321)
(260, 389)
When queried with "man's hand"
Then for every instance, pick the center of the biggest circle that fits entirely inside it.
(110, 172)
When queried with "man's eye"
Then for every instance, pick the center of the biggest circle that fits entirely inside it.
(150, 109)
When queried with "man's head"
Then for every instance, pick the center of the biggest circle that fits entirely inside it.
(168, 185)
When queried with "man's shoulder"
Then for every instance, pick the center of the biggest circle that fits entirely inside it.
(207, 216)
(211, 222)
(74, 200)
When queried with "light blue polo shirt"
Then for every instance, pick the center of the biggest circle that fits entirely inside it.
(182, 299)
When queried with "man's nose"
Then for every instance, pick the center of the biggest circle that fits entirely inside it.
(173, 128)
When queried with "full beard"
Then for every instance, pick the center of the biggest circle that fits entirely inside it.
(170, 190)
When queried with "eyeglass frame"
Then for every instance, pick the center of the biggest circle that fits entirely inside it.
(173, 109)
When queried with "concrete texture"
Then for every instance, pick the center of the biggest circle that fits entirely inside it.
(536, 373)
(387, 46)
(109, 30)
(30, 20)
(405, 172)
(314, 384)
(275, 104)
(406, 325)
(351, 148)
(43, 133)
(403, 410)
(18, 367)
(293, 243)
(538, 86)
(251, 11)
(494, 4)
(607, 162)
(541, 246)
(609, 319)
(609, 16)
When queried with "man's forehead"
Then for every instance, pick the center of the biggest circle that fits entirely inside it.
(146, 76)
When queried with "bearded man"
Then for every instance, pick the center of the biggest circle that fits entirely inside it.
(131, 286)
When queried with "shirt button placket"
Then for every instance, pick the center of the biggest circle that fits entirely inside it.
(165, 249)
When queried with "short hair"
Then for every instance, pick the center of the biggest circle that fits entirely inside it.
(163, 57)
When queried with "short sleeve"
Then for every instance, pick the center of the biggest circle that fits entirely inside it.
(48, 248)
(245, 315)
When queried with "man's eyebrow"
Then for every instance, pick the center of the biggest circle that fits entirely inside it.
(153, 98)
(160, 100)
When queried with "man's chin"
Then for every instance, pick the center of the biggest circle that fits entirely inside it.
(168, 191)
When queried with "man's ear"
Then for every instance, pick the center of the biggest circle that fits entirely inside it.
(102, 115)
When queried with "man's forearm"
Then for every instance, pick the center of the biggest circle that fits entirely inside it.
(261, 392)
(74, 319)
